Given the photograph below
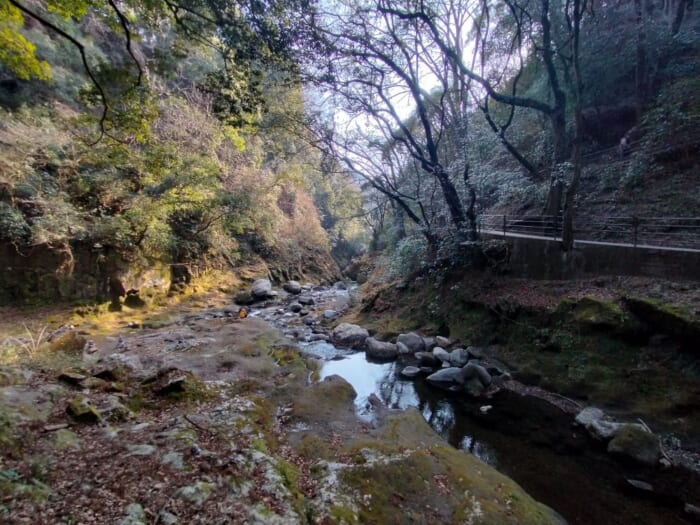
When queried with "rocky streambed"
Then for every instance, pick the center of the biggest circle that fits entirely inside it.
(554, 446)
(271, 411)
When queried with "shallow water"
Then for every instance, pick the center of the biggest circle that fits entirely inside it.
(526, 439)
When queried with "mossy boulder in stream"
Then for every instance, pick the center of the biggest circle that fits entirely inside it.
(398, 470)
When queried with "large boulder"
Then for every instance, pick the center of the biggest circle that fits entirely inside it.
(379, 350)
(413, 342)
(292, 287)
(474, 378)
(349, 335)
(261, 289)
(633, 442)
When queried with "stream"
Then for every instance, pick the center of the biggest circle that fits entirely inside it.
(524, 437)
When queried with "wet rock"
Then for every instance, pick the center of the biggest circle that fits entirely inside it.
(83, 410)
(295, 307)
(442, 355)
(134, 515)
(304, 312)
(410, 372)
(429, 342)
(306, 300)
(292, 287)
(632, 442)
(330, 314)
(459, 357)
(427, 359)
(473, 371)
(413, 342)
(349, 335)
(261, 289)
(317, 337)
(475, 352)
(403, 349)
(693, 512)
(340, 285)
(444, 342)
(445, 378)
(640, 486)
(380, 350)
(426, 370)
(309, 320)
(588, 415)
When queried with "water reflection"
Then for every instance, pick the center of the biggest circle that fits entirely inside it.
(383, 380)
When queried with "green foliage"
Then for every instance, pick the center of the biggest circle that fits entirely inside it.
(13, 226)
(409, 256)
(16, 52)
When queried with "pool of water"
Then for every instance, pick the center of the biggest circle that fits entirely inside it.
(526, 439)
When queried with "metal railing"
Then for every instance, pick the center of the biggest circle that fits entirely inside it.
(664, 232)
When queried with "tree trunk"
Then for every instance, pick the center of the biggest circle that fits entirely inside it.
(641, 65)
(454, 205)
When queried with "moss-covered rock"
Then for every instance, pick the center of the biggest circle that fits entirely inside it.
(675, 321)
(637, 444)
(82, 409)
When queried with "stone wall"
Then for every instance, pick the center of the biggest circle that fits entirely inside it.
(544, 259)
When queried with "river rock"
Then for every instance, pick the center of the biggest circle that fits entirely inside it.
(442, 354)
(588, 415)
(429, 342)
(349, 335)
(410, 372)
(261, 289)
(403, 349)
(295, 307)
(637, 444)
(693, 512)
(413, 341)
(426, 359)
(340, 285)
(640, 486)
(472, 371)
(445, 378)
(444, 342)
(330, 314)
(459, 357)
(292, 287)
(306, 300)
(475, 352)
(380, 350)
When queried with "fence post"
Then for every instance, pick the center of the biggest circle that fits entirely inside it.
(504, 224)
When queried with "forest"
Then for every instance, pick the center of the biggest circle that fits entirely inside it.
(357, 261)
